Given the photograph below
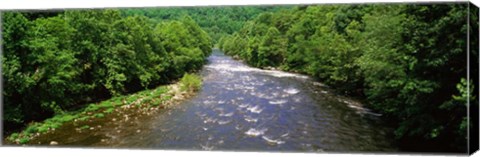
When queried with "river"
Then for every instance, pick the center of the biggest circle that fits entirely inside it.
(241, 108)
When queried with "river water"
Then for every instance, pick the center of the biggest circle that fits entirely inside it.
(241, 108)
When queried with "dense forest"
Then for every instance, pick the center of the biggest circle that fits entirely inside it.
(104, 53)
(216, 21)
(53, 62)
(407, 61)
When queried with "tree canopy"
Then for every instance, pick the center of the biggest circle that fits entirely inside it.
(54, 61)
(406, 60)
(216, 21)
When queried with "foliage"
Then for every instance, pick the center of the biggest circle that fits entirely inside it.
(54, 62)
(216, 21)
(406, 60)
(395, 56)
(190, 82)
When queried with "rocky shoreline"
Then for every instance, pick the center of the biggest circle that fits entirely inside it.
(107, 129)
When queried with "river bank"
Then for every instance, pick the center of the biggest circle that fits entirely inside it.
(238, 108)
(242, 108)
(99, 123)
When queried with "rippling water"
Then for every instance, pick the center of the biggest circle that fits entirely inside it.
(245, 108)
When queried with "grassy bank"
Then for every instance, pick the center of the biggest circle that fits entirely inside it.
(158, 98)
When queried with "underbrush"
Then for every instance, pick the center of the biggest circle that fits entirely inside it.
(190, 82)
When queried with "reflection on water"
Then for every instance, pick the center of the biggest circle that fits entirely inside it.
(245, 108)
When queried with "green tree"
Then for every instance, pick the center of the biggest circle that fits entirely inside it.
(56, 61)
(272, 48)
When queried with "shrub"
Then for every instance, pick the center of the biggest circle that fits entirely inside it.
(92, 107)
(84, 127)
(190, 82)
(99, 115)
(108, 111)
(84, 118)
(13, 136)
(31, 129)
(43, 129)
(24, 140)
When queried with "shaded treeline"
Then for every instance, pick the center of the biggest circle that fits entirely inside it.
(474, 75)
(217, 21)
(408, 61)
(55, 61)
